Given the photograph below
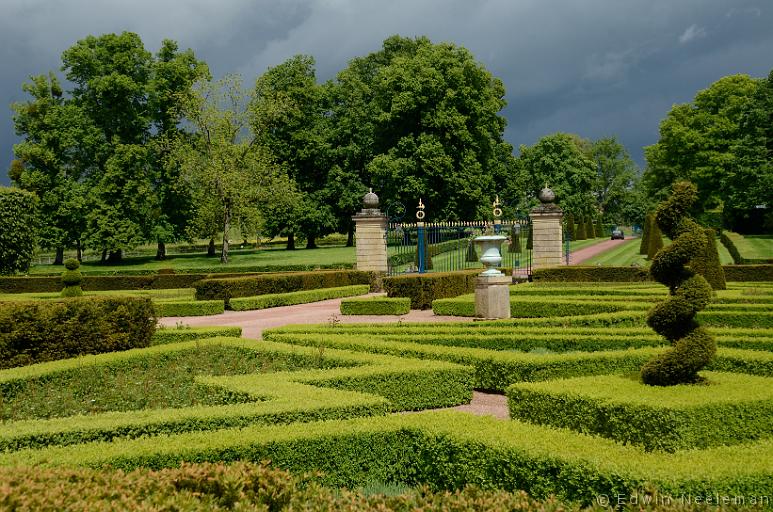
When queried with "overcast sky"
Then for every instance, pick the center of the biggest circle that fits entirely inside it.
(592, 67)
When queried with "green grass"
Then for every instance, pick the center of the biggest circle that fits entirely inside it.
(620, 255)
(154, 382)
(627, 254)
(755, 247)
(274, 256)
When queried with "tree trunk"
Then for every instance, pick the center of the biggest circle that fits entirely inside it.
(350, 236)
(59, 258)
(291, 242)
(161, 251)
(311, 242)
(104, 256)
(226, 227)
(211, 247)
(115, 256)
(79, 250)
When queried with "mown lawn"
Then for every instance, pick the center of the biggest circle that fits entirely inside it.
(275, 256)
(627, 254)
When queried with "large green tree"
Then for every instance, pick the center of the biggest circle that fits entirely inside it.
(223, 162)
(438, 130)
(75, 154)
(718, 142)
(561, 162)
(57, 153)
(289, 120)
(616, 188)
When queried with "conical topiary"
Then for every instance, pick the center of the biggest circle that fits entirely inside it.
(598, 231)
(530, 239)
(655, 240)
(72, 278)
(570, 227)
(515, 241)
(644, 246)
(674, 318)
(580, 233)
(471, 256)
(708, 264)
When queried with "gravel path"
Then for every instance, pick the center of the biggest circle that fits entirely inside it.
(580, 255)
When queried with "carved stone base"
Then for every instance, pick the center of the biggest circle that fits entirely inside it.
(492, 296)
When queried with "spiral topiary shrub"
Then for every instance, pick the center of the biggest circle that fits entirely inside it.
(674, 319)
(72, 278)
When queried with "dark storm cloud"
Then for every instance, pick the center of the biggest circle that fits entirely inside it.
(591, 67)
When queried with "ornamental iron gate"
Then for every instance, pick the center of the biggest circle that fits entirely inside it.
(448, 246)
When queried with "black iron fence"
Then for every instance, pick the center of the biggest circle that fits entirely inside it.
(449, 246)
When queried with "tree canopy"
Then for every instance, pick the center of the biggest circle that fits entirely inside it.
(721, 142)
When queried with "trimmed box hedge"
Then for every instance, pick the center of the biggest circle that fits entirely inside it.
(495, 370)
(531, 308)
(164, 335)
(748, 272)
(361, 384)
(225, 289)
(273, 300)
(582, 274)
(445, 450)
(35, 331)
(730, 409)
(189, 308)
(422, 289)
(376, 306)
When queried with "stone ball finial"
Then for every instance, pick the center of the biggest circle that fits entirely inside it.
(370, 200)
(546, 195)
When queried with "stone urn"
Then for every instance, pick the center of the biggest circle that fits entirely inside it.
(491, 257)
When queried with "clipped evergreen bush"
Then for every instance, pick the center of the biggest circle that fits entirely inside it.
(644, 245)
(72, 278)
(654, 240)
(530, 238)
(18, 235)
(598, 231)
(674, 318)
(471, 256)
(580, 231)
(515, 241)
(707, 264)
(35, 331)
(422, 289)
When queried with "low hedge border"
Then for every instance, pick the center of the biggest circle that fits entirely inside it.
(35, 331)
(528, 338)
(272, 300)
(226, 289)
(163, 335)
(746, 273)
(531, 308)
(403, 384)
(200, 487)
(422, 289)
(376, 306)
(189, 308)
(445, 450)
(637, 274)
(732, 409)
(495, 370)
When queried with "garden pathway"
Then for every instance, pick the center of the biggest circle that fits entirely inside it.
(586, 253)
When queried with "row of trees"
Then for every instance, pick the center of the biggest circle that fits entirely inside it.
(723, 142)
(147, 147)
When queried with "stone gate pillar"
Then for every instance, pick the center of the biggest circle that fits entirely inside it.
(547, 233)
(370, 235)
